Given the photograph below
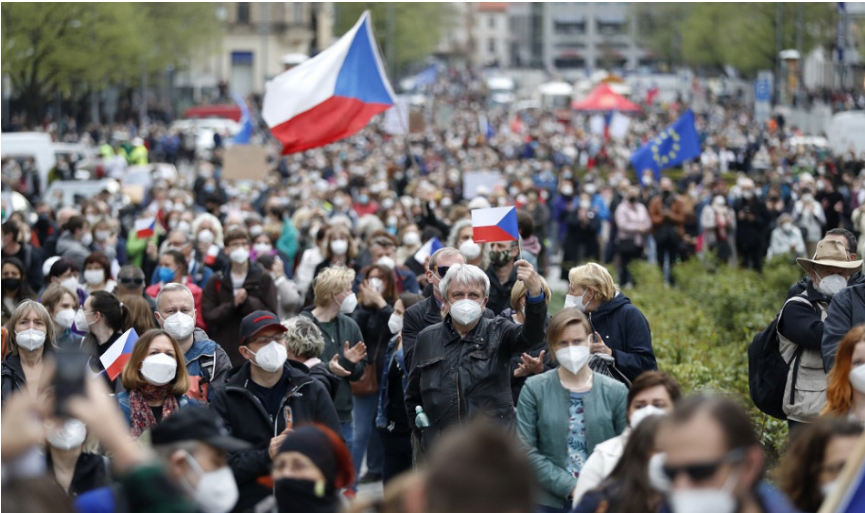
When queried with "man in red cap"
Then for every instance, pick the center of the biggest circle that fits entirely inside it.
(263, 397)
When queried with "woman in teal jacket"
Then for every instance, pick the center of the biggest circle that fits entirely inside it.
(565, 412)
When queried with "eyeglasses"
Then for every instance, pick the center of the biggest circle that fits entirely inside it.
(132, 281)
(703, 471)
(267, 339)
(441, 270)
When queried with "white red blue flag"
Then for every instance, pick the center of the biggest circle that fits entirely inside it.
(115, 358)
(497, 224)
(430, 247)
(145, 228)
(331, 96)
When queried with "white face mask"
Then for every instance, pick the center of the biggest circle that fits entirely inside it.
(64, 318)
(573, 358)
(387, 262)
(643, 413)
(470, 249)
(159, 369)
(69, 435)
(411, 239)
(348, 304)
(657, 478)
(87, 238)
(828, 488)
(394, 324)
(30, 339)
(183, 226)
(271, 357)
(239, 255)
(465, 311)
(705, 500)
(179, 325)
(832, 284)
(262, 247)
(787, 227)
(339, 247)
(376, 285)
(216, 491)
(93, 219)
(102, 235)
(575, 302)
(81, 323)
(857, 378)
(94, 276)
(70, 284)
(205, 236)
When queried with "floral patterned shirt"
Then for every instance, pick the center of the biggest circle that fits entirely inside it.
(577, 449)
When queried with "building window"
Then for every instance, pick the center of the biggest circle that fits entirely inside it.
(575, 26)
(242, 12)
(491, 45)
(491, 21)
(611, 26)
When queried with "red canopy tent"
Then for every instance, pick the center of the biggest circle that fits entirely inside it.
(602, 98)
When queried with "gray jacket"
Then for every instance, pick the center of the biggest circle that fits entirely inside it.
(805, 392)
(69, 247)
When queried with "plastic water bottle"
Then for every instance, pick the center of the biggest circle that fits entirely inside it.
(421, 420)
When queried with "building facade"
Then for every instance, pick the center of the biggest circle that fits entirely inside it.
(257, 36)
(575, 36)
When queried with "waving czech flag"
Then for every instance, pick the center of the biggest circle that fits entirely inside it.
(331, 96)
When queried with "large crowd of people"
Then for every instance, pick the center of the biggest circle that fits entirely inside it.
(335, 323)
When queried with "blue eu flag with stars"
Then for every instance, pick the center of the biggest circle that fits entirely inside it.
(674, 145)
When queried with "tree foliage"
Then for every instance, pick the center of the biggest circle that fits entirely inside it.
(740, 35)
(64, 47)
(417, 27)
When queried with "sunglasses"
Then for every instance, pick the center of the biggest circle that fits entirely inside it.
(131, 281)
(441, 270)
(703, 471)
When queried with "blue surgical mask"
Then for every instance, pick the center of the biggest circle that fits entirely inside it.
(164, 274)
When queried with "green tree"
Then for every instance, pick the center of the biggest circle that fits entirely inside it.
(741, 35)
(659, 27)
(73, 48)
(417, 27)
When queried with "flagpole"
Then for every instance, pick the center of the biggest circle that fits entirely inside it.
(412, 159)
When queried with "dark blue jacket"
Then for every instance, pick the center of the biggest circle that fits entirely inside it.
(846, 310)
(626, 331)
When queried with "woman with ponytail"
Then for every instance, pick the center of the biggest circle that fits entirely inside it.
(104, 318)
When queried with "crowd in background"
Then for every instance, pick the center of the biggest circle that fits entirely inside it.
(297, 329)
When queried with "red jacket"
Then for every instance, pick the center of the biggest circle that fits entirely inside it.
(153, 291)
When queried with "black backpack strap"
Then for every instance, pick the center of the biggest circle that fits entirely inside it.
(208, 364)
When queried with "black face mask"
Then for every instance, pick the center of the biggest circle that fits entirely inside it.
(299, 496)
(11, 283)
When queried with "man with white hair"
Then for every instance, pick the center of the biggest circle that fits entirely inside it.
(460, 364)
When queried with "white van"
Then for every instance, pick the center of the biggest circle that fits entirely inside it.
(30, 144)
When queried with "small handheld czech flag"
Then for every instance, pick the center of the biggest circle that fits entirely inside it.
(145, 228)
(115, 358)
(497, 224)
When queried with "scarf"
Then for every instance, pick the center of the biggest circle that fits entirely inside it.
(301, 496)
(140, 415)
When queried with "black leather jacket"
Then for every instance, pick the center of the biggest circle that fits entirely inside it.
(455, 379)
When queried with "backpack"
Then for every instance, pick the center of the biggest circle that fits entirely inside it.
(767, 369)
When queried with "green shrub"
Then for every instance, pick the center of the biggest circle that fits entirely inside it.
(701, 328)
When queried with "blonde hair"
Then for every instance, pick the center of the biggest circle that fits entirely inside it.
(520, 290)
(332, 280)
(23, 309)
(595, 278)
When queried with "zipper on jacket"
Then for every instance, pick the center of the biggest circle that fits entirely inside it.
(459, 401)
(285, 399)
